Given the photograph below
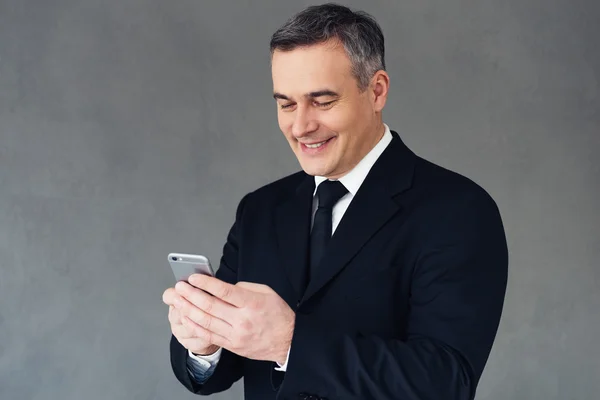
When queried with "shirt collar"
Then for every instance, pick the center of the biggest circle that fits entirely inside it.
(353, 179)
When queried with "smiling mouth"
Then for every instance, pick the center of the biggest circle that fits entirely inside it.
(316, 148)
(316, 145)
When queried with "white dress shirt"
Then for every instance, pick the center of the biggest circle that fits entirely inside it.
(352, 181)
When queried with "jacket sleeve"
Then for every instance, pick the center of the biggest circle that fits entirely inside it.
(230, 366)
(457, 295)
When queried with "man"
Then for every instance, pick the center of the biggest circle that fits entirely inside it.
(370, 274)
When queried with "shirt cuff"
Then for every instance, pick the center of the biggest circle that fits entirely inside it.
(202, 367)
(208, 360)
(284, 366)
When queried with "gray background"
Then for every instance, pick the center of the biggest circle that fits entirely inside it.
(129, 129)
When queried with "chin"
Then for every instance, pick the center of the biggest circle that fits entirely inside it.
(311, 171)
(314, 170)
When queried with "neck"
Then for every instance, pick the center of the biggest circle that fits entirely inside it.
(376, 138)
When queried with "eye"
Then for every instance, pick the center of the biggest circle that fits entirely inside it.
(286, 106)
(322, 105)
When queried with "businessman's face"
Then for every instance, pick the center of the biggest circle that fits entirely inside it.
(328, 121)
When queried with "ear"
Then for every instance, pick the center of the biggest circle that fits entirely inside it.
(379, 87)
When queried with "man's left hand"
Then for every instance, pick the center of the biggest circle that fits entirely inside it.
(248, 319)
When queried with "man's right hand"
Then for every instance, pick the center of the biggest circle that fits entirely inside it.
(183, 329)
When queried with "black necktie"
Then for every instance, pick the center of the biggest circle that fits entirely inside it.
(328, 193)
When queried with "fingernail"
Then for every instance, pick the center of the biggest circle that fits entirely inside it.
(177, 302)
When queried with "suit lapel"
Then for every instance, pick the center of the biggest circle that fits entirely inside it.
(368, 212)
(292, 221)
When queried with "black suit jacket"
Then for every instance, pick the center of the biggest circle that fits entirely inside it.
(407, 299)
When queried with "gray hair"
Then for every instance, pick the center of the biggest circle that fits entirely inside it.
(359, 33)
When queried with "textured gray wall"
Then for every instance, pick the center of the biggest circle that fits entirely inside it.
(129, 129)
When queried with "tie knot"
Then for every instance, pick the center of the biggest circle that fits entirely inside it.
(329, 192)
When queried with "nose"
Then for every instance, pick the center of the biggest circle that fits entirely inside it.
(304, 123)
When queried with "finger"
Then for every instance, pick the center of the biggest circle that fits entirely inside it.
(225, 291)
(204, 301)
(255, 287)
(204, 319)
(168, 296)
(174, 315)
(182, 332)
(192, 343)
(204, 334)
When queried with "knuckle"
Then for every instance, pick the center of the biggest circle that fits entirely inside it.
(208, 304)
(206, 336)
(207, 321)
(226, 291)
(246, 325)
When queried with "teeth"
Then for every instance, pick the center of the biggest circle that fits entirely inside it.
(314, 146)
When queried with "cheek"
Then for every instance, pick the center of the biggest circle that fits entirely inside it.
(341, 120)
(285, 124)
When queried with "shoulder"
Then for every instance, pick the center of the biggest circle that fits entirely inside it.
(448, 205)
(446, 189)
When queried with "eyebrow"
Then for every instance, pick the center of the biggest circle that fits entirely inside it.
(312, 95)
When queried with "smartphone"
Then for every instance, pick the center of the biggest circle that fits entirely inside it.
(184, 265)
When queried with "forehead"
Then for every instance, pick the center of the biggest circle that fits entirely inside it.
(310, 68)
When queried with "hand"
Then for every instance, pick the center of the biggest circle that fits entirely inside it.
(248, 319)
(183, 329)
